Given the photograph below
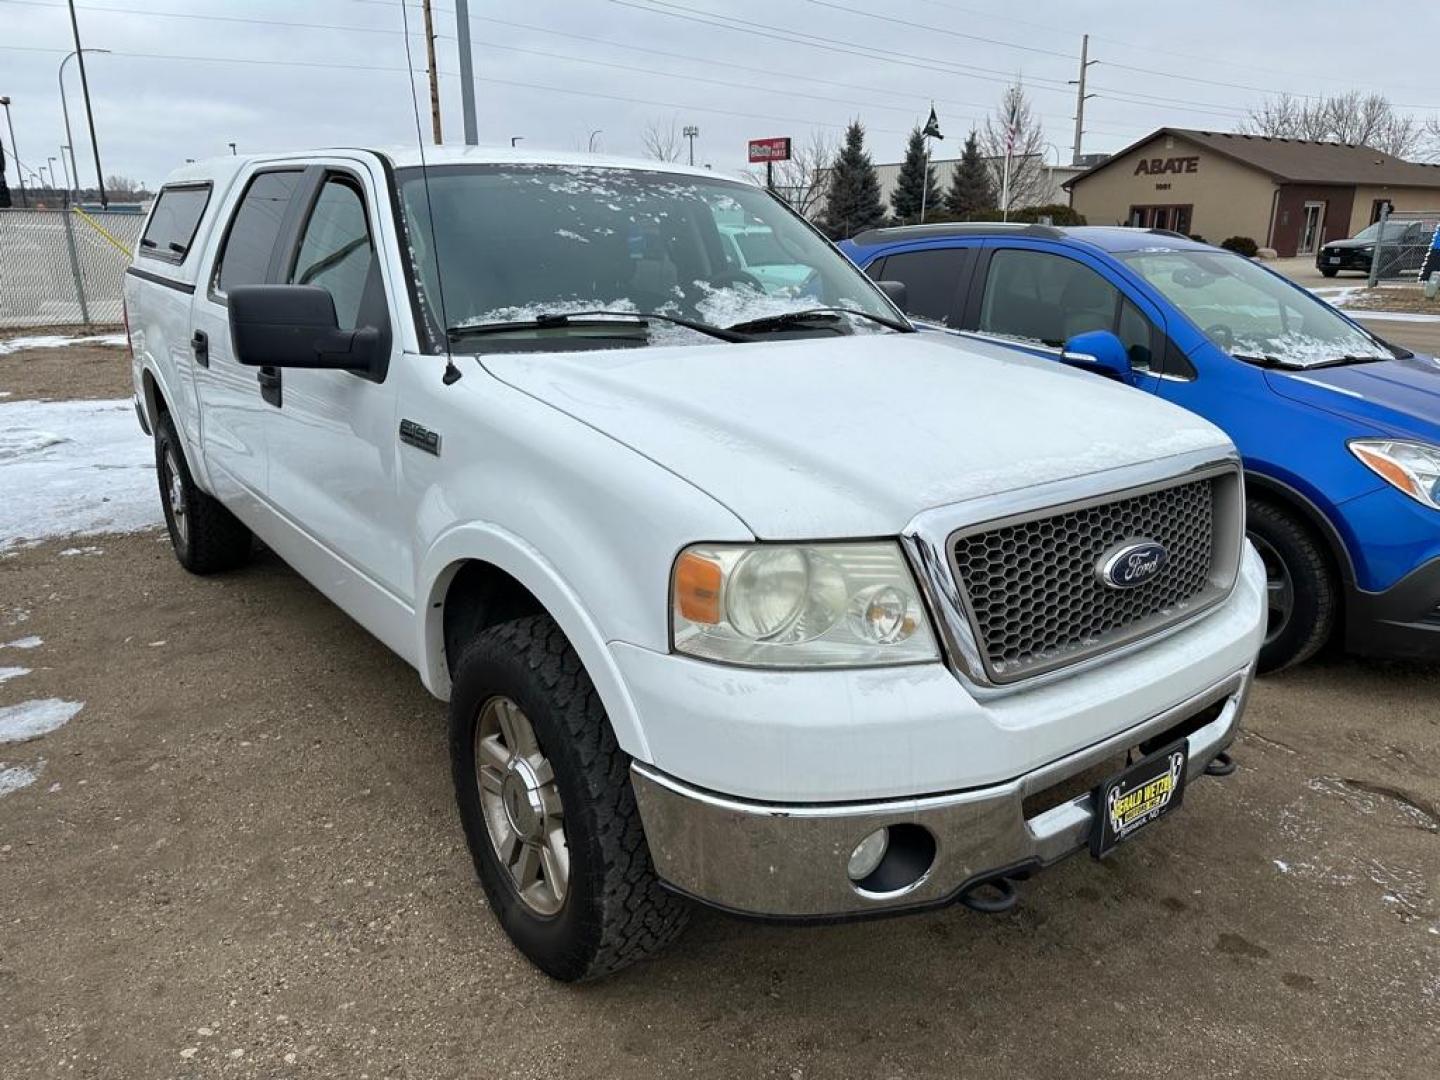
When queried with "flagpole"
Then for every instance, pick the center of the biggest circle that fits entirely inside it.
(925, 181)
(1005, 189)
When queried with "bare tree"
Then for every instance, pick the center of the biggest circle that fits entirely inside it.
(804, 180)
(1431, 138)
(1359, 119)
(121, 185)
(662, 140)
(1013, 131)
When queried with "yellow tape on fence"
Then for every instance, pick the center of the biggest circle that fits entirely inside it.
(102, 231)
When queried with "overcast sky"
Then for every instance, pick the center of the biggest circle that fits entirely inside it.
(552, 71)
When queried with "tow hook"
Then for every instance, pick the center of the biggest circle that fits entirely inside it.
(994, 896)
(1222, 764)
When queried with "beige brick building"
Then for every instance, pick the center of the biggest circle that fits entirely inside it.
(1288, 194)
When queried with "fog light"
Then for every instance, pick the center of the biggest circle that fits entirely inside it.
(868, 854)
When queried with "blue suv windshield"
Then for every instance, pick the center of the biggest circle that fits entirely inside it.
(1252, 314)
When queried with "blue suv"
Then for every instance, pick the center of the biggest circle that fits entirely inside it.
(1340, 431)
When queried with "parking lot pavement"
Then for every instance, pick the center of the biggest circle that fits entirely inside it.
(240, 857)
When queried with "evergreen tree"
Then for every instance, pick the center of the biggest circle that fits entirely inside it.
(970, 188)
(915, 189)
(853, 204)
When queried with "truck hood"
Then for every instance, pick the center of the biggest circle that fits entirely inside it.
(1400, 396)
(853, 436)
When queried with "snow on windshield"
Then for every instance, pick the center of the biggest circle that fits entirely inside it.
(517, 242)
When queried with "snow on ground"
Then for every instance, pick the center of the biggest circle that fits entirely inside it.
(31, 719)
(57, 341)
(70, 467)
(17, 777)
(31, 642)
(8, 673)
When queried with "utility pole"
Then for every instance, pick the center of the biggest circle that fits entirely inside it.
(1081, 96)
(467, 72)
(434, 75)
(89, 116)
(14, 154)
(692, 133)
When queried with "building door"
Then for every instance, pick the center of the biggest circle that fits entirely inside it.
(1310, 225)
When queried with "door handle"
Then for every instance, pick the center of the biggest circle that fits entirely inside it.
(200, 343)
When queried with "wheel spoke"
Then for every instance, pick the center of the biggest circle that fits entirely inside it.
(492, 780)
(555, 856)
(527, 867)
(489, 754)
(516, 729)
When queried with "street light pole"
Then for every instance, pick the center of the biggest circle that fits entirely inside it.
(467, 72)
(65, 111)
(14, 154)
(51, 185)
(89, 115)
(515, 139)
(591, 145)
(69, 183)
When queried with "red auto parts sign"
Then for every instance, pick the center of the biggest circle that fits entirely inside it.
(763, 150)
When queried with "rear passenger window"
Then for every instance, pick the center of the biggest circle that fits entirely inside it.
(251, 240)
(335, 249)
(172, 225)
(931, 280)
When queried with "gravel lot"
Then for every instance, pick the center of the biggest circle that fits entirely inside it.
(241, 858)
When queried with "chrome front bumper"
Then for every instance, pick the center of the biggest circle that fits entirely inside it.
(789, 861)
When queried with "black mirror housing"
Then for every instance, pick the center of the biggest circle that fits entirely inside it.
(295, 326)
(896, 291)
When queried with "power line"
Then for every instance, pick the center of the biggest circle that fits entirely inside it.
(940, 30)
(217, 18)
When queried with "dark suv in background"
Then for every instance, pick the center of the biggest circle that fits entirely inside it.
(1406, 243)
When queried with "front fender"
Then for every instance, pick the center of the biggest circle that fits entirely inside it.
(525, 563)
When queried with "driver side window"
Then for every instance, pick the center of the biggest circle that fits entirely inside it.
(336, 251)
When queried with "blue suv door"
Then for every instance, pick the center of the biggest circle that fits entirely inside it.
(1036, 296)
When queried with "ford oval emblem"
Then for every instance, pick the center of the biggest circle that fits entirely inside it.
(1132, 564)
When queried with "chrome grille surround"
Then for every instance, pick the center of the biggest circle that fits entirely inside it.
(931, 538)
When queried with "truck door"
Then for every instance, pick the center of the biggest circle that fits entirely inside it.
(332, 435)
(232, 407)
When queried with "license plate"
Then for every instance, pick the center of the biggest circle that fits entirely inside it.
(1333, 260)
(1142, 794)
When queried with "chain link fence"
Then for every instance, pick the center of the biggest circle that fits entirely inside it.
(1403, 245)
(64, 267)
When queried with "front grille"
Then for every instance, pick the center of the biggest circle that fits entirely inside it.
(1036, 601)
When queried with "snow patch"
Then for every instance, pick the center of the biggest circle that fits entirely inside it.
(1281, 865)
(8, 673)
(89, 550)
(73, 467)
(32, 719)
(31, 642)
(15, 777)
(58, 341)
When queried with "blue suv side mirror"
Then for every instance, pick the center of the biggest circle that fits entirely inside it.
(1099, 351)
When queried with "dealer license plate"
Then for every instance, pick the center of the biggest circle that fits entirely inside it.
(1333, 260)
(1142, 794)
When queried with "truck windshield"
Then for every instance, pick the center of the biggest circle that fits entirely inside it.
(529, 242)
(1252, 314)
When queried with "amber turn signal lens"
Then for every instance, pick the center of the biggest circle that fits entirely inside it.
(1389, 470)
(697, 589)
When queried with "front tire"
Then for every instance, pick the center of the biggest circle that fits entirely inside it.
(548, 809)
(1303, 595)
(207, 538)
(1327, 271)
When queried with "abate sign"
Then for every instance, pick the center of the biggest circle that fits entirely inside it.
(1156, 166)
(762, 150)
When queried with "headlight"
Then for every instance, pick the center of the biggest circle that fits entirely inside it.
(1412, 467)
(804, 605)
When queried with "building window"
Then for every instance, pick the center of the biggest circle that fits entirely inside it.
(1174, 218)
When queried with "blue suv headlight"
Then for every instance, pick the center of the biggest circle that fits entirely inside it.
(1412, 467)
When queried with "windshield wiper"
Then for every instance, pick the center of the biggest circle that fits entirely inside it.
(591, 319)
(1349, 359)
(812, 315)
(1261, 359)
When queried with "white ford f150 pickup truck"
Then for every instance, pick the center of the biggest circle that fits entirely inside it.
(740, 591)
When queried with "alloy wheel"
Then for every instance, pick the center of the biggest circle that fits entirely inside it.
(1279, 589)
(521, 804)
